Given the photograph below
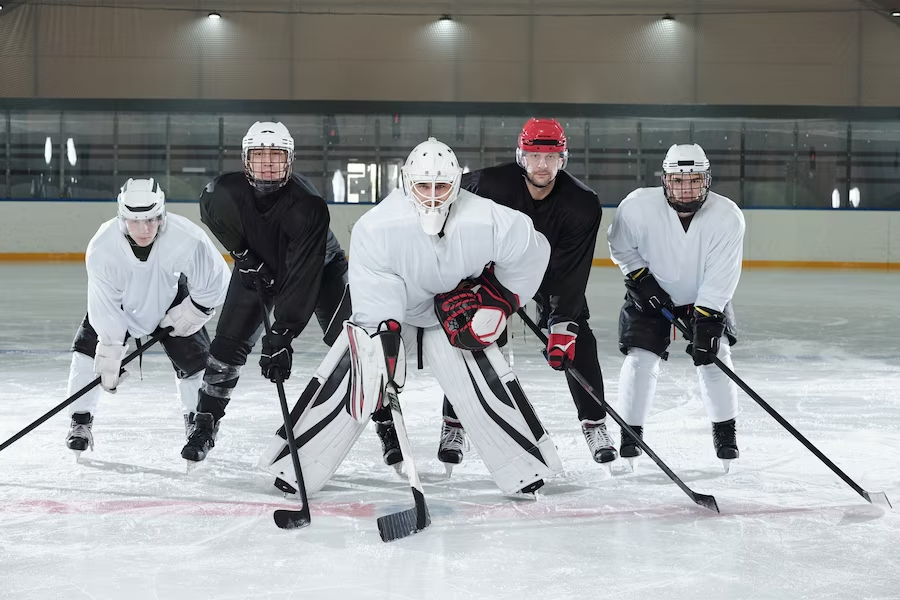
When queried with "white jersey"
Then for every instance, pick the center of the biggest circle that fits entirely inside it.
(396, 269)
(128, 295)
(699, 266)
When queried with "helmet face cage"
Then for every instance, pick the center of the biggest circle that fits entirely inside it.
(431, 163)
(267, 185)
(699, 188)
(274, 136)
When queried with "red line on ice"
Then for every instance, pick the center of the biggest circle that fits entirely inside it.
(181, 507)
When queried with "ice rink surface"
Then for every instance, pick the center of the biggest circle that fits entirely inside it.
(128, 523)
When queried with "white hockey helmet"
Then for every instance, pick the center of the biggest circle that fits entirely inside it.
(691, 192)
(429, 164)
(141, 200)
(268, 135)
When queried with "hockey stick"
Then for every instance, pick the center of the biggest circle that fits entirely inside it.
(704, 500)
(153, 339)
(413, 520)
(284, 518)
(878, 498)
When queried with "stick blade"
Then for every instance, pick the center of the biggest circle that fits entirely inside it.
(292, 519)
(878, 499)
(406, 522)
(706, 501)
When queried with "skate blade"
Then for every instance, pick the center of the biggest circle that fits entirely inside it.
(77, 455)
(398, 469)
(448, 467)
(192, 465)
(633, 463)
(726, 464)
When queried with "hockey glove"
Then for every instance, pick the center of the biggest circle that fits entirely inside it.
(561, 344)
(645, 292)
(474, 314)
(186, 318)
(253, 269)
(277, 355)
(108, 363)
(709, 326)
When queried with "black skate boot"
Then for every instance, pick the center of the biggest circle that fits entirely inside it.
(390, 445)
(80, 437)
(725, 441)
(201, 437)
(601, 445)
(629, 448)
(453, 444)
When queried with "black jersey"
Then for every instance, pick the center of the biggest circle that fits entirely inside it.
(570, 219)
(287, 229)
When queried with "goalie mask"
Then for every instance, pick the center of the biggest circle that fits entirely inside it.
(542, 151)
(686, 178)
(268, 153)
(142, 211)
(431, 178)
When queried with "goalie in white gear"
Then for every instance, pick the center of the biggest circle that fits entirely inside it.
(680, 247)
(419, 264)
(146, 270)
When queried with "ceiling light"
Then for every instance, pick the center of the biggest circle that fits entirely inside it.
(214, 15)
(668, 17)
(896, 13)
(446, 18)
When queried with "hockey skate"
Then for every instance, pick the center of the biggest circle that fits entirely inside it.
(201, 437)
(725, 441)
(453, 443)
(629, 448)
(80, 436)
(390, 445)
(601, 445)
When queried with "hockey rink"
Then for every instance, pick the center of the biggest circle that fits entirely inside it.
(127, 522)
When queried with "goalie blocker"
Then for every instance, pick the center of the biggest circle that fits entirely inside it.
(349, 386)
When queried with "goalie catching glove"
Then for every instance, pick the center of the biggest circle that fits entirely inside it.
(474, 314)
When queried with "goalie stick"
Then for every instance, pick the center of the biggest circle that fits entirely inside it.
(879, 498)
(704, 500)
(413, 520)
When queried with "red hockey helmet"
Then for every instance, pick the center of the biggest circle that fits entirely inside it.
(539, 139)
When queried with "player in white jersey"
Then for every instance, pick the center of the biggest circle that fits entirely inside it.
(680, 247)
(146, 269)
(418, 270)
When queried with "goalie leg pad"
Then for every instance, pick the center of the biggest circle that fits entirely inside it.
(323, 427)
(499, 419)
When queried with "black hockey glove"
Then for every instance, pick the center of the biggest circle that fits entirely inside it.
(277, 355)
(253, 269)
(645, 292)
(709, 326)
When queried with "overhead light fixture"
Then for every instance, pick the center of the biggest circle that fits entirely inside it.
(446, 18)
(896, 13)
(214, 15)
(668, 17)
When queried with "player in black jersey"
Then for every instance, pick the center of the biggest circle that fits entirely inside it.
(275, 225)
(568, 213)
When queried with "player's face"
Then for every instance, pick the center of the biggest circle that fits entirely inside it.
(432, 195)
(542, 167)
(268, 164)
(685, 187)
(143, 232)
